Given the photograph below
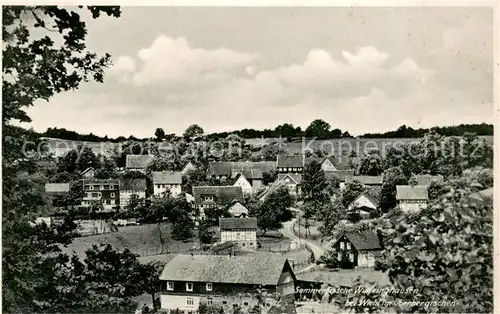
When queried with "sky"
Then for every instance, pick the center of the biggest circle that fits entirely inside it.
(360, 69)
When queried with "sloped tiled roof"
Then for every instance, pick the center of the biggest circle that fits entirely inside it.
(368, 196)
(426, 179)
(251, 269)
(133, 184)
(238, 223)
(297, 177)
(222, 168)
(102, 181)
(409, 192)
(251, 174)
(87, 170)
(366, 180)
(290, 161)
(223, 195)
(362, 239)
(167, 177)
(56, 187)
(339, 174)
(138, 161)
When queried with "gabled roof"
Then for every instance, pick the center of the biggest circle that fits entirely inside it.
(290, 161)
(87, 170)
(366, 180)
(167, 177)
(296, 177)
(223, 168)
(101, 181)
(426, 179)
(133, 184)
(238, 223)
(339, 174)
(366, 195)
(409, 192)
(56, 187)
(138, 161)
(251, 269)
(223, 195)
(361, 239)
(249, 173)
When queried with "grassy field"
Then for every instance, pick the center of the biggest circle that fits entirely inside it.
(143, 240)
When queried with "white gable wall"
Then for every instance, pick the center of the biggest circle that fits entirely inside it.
(362, 201)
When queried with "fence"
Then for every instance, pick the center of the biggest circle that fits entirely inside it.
(275, 247)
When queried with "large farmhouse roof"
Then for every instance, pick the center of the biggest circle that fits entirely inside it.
(251, 174)
(133, 184)
(290, 161)
(366, 180)
(339, 174)
(223, 195)
(167, 177)
(411, 192)
(223, 168)
(254, 269)
(138, 161)
(238, 223)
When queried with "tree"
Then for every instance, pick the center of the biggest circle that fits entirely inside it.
(150, 279)
(204, 234)
(314, 185)
(444, 252)
(392, 177)
(318, 128)
(34, 68)
(192, 131)
(160, 134)
(351, 192)
(371, 164)
(269, 177)
(274, 210)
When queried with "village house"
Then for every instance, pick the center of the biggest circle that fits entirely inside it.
(88, 173)
(230, 282)
(105, 191)
(129, 187)
(368, 181)
(364, 205)
(188, 167)
(209, 197)
(357, 248)
(333, 163)
(138, 163)
(252, 170)
(412, 197)
(292, 181)
(427, 179)
(250, 180)
(290, 163)
(167, 181)
(241, 231)
(238, 210)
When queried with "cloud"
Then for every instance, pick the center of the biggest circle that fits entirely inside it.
(173, 60)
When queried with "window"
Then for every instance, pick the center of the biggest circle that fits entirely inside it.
(102, 187)
(251, 243)
(235, 305)
(342, 245)
(112, 202)
(243, 244)
(224, 302)
(99, 194)
(210, 301)
(91, 187)
(339, 256)
(88, 194)
(245, 303)
(351, 257)
(190, 301)
(112, 194)
(348, 245)
(170, 285)
(209, 286)
(111, 187)
(189, 286)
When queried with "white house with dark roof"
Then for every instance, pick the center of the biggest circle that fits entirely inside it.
(241, 231)
(226, 281)
(357, 248)
(238, 210)
(164, 181)
(292, 181)
(412, 197)
(138, 163)
(129, 187)
(363, 205)
(88, 173)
